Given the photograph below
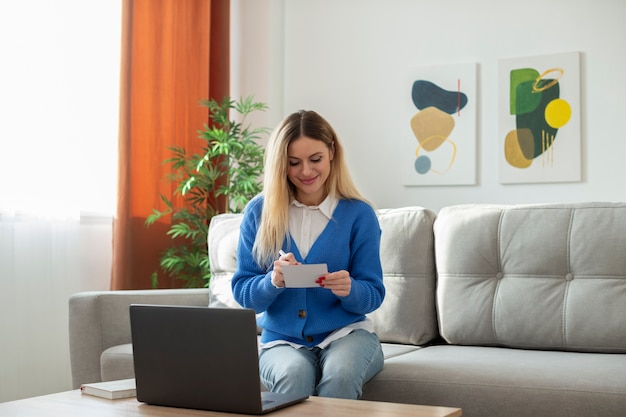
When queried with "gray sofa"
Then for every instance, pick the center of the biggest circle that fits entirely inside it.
(499, 310)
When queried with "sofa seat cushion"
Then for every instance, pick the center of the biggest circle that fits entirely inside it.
(487, 380)
(117, 363)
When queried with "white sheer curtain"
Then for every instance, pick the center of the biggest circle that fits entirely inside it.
(59, 89)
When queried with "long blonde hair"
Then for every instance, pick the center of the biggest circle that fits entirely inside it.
(278, 191)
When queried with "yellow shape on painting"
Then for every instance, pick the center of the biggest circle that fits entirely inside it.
(431, 123)
(539, 88)
(513, 151)
(558, 113)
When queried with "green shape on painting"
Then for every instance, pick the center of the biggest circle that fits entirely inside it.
(519, 76)
(527, 101)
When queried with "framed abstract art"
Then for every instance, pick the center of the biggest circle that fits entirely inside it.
(539, 119)
(438, 144)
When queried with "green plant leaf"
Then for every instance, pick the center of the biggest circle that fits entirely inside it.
(228, 166)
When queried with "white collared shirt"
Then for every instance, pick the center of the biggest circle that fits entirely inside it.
(306, 223)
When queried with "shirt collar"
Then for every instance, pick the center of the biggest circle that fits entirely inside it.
(326, 207)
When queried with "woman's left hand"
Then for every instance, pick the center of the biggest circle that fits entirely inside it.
(338, 282)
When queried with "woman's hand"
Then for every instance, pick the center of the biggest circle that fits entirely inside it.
(338, 282)
(278, 280)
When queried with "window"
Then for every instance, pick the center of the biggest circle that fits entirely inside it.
(59, 100)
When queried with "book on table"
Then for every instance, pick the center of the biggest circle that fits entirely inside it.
(112, 390)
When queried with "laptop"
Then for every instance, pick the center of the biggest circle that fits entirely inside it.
(200, 358)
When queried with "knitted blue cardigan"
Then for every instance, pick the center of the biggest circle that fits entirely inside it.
(350, 241)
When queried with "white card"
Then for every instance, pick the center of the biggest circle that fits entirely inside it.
(303, 275)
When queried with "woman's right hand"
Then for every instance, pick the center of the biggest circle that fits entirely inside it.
(278, 280)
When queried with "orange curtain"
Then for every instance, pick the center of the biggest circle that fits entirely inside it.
(175, 53)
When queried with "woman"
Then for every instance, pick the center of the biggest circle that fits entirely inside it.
(315, 341)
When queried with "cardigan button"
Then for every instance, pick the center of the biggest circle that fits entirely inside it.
(309, 339)
(302, 314)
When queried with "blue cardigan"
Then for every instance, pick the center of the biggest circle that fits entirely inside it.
(350, 241)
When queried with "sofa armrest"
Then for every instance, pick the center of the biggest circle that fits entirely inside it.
(99, 320)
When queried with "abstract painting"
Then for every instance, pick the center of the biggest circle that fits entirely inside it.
(539, 113)
(438, 145)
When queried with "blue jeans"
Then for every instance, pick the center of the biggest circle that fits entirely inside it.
(339, 370)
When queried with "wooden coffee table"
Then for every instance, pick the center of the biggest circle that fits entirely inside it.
(73, 403)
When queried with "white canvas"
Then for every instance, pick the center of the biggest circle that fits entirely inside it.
(442, 151)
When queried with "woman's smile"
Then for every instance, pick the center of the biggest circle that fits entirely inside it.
(309, 181)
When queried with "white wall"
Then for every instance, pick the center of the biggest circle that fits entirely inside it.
(341, 58)
(256, 56)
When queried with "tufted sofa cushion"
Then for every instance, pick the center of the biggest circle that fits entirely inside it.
(533, 276)
(408, 313)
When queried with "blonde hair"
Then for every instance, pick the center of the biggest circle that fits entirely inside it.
(278, 191)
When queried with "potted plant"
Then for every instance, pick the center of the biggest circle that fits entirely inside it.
(222, 178)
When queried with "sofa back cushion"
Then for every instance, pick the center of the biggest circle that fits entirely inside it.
(408, 313)
(222, 241)
(533, 276)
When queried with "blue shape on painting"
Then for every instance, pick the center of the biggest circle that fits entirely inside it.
(428, 94)
(422, 164)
